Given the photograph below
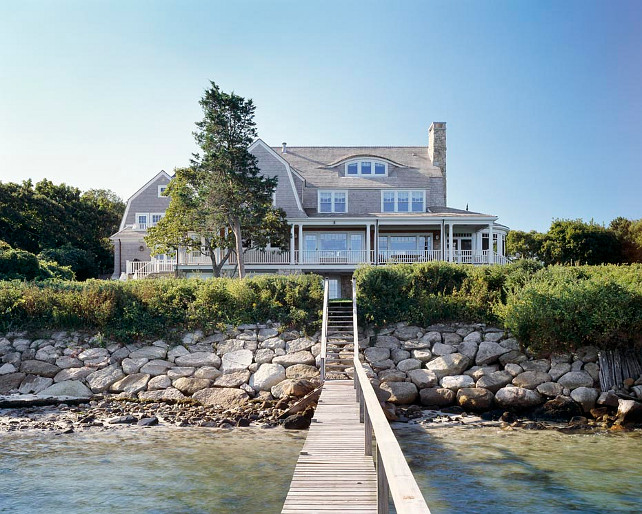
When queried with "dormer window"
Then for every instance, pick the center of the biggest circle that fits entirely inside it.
(366, 168)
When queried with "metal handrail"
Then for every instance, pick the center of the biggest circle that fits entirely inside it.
(394, 477)
(324, 327)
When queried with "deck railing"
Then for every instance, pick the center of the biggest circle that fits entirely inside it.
(394, 477)
(142, 269)
(408, 256)
(333, 256)
(324, 328)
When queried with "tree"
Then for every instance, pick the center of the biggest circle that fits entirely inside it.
(577, 242)
(222, 200)
(524, 245)
(629, 234)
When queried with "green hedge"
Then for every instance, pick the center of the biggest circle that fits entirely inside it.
(151, 308)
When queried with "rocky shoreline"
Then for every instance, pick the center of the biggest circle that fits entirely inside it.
(252, 375)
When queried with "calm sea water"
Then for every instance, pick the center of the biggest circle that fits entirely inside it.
(163, 470)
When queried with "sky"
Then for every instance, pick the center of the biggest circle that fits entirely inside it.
(543, 100)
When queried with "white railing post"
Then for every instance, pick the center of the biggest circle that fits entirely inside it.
(324, 327)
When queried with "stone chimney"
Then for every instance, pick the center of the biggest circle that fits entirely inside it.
(437, 149)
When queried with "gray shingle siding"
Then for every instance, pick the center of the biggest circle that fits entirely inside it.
(436, 194)
(148, 201)
(272, 167)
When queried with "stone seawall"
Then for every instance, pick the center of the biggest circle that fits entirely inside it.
(475, 367)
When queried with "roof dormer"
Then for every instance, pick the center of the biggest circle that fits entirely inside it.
(366, 167)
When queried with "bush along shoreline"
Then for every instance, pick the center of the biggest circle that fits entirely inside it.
(252, 375)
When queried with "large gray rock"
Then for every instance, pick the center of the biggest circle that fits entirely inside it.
(489, 352)
(399, 355)
(208, 372)
(131, 383)
(155, 367)
(452, 364)
(273, 343)
(33, 384)
(291, 359)
(436, 397)
(513, 369)
(457, 382)
(593, 369)
(574, 379)
(73, 374)
(168, 395)
(587, 354)
(149, 352)
(72, 388)
(558, 370)
(495, 381)
(517, 398)
(235, 379)
(199, 359)
(190, 385)
(585, 396)
(409, 364)
(423, 355)
(298, 345)
(238, 360)
(376, 354)
(177, 351)
(542, 365)
(267, 376)
(263, 356)
(387, 342)
(267, 333)
(66, 361)
(440, 349)
(407, 333)
(512, 357)
(422, 378)
(473, 337)
(629, 411)
(131, 366)
(297, 387)
(431, 337)
(178, 372)
(392, 375)
(475, 399)
(401, 393)
(47, 354)
(221, 396)
(302, 371)
(468, 348)
(93, 354)
(451, 338)
(11, 382)
(101, 380)
(5, 369)
(159, 382)
(531, 379)
(551, 389)
(40, 368)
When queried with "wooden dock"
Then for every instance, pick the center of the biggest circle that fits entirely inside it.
(333, 474)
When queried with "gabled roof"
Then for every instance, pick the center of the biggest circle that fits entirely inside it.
(315, 165)
(161, 173)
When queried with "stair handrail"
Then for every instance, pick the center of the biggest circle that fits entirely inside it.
(394, 477)
(324, 328)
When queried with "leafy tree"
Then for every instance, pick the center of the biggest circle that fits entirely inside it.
(222, 200)
(80, 261)
(577, 242)
(526, 245)
(629, 234)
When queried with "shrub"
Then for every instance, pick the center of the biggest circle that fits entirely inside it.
(80, 261)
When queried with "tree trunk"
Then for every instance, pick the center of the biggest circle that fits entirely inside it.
(216, 266)
(236, 227)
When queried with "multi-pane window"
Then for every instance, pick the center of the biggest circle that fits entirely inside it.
(333, 201)
(403, 201)
(144, 220)
(161, 190)
(367, 168)
(141, 221)
(156, 218)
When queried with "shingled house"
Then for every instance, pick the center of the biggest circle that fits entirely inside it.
(345, 205)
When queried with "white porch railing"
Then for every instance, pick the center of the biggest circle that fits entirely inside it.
(333, 256)
(408, 256)
(142, 269)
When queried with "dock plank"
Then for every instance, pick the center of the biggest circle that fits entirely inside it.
(332, 473)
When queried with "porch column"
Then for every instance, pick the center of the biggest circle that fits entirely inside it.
(500, 244)
(300, 242)
(491, 256)
(451, 252)
(376, 243)
(442, 255)
(368, 260)
(292, 260)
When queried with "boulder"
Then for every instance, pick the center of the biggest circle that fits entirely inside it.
(409, 364)
(299, 420)
(629, 411)
(298, 345)
(263, 355)
(72, 388)
(131, 383)
(184, 371)
(513, 369)
(94, 354)
(208, 372)
(593, 369)
(387, 342)
(451, 338)
(475, 399)
(436, 397)
(376, 354)
(494, 336)
(561, 408)
(423, 378)
(290, 359)
(510, 343)
(401, 393)
(73, 374)
(47, 354)
(101, 380)
(296, 387)
(190, 385)
(559, 369)
(267, 333)
(200, 359)
(512, 357)
(385, 364)
(267, 376)
(488, 352)
(431, 338)
(608, 399)
(33, 384)
(159, 382)
(473, 337)
(409, 332)
(440, 349)
(468, 348)
(574, 379)
(133, 365)
(517, 398)
(5, 369)
(168, 395)
(542, 365)
(177, 351)
(149, 352)
(155, 367)
(392, 375)
(495, 381)
(587, 354)
(119, 355)
(551, 389)
(273, 343)
(531, 379)
(423, 355)
(451, 364)
(456, 382)
(235, 379)
(398, 355)
(301, 371)
(585, 396)
(481, 371)
(66, 361)
(40, 368)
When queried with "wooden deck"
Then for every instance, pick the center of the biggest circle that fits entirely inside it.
(332, 473)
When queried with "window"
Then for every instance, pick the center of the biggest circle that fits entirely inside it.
(403, 201)
(156, 217)
(161, 190)
(333, 201)
(367, 168)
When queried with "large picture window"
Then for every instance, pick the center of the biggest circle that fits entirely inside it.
(333, 201)
(403, 201)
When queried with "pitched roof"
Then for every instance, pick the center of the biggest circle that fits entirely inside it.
(316, 164)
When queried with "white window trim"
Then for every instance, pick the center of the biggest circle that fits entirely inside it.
(151, 218)
(137, 224)
(358, 163)
(396, 194)
(333, 192)
(159, 190)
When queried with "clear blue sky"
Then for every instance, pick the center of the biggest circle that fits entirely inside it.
(543, 100)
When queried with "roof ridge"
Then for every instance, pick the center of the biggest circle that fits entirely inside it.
(357, 146)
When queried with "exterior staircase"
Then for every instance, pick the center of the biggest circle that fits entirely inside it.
(339, 340)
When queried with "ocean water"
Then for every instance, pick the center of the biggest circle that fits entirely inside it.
(182, 470)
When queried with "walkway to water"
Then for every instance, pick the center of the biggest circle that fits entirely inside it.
(333, 474)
